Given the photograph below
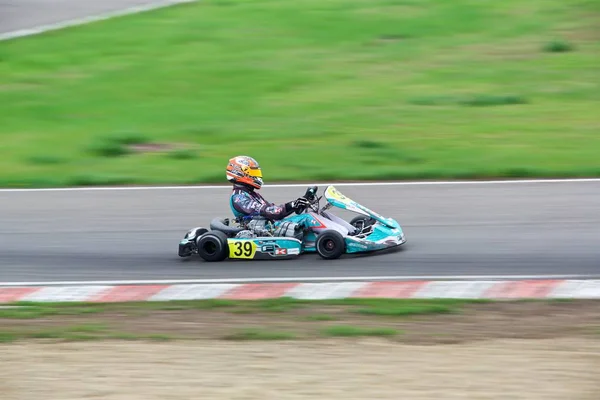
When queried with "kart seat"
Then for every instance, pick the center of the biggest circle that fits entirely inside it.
(218, 224)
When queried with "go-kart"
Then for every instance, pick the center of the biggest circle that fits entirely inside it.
(311, 229)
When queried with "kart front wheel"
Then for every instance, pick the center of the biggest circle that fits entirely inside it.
(212, 246)
(361, 221)
(330, 244)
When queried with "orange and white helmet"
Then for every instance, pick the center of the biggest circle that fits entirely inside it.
(244, 170)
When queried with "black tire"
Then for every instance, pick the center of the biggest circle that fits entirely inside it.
(199, 232)
(330, 244)
(212, 246)
(367, 221)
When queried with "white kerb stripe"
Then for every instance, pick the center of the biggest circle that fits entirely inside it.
(192, 292)
(303, 185)
(577, 289)
(323, 291)
(455, 290)
(66, 293)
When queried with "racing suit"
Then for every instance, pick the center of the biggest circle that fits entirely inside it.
(248, 205)
(245, 201)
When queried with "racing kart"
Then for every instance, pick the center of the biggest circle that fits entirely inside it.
(311, 229)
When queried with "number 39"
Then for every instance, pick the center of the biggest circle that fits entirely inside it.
(244, 248)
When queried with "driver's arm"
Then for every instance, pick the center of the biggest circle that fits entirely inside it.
(277, 212)
(247, 205)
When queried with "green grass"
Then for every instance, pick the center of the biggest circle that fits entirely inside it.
(404, 88)
(558, 46)
(405, 307)
(417, 309)
(349, 331)
(66, 335)
(259, 334)
(83, 332)
(115, 145)
(69, 333)
(77, 333)
(400, 307)
(27, 310)
(7, 337)
(409, 307)
(320, 317)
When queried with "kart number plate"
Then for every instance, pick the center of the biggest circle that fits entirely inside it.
(242, 249)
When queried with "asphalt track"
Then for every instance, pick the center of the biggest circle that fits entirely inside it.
(18, 15)
(531, 229)
(452, 230)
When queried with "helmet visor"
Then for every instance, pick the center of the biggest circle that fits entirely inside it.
(255, 173)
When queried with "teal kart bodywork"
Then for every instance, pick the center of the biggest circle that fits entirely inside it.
(385, 232)
(314, 229)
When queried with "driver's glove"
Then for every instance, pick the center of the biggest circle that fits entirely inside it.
(300, 203)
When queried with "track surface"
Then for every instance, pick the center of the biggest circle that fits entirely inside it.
(27, 14)
(510, 229)
(452, 230)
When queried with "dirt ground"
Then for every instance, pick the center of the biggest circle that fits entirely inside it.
(523, 350)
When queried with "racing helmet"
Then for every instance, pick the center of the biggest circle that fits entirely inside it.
(244, 170)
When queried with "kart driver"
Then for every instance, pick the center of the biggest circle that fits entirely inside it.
(246, 176)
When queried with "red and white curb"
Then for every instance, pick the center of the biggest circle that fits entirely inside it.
(421, 289)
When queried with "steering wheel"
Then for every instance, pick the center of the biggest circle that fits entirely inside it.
(310, 195)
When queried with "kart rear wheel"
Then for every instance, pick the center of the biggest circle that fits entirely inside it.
(212, 246)
(330, 244)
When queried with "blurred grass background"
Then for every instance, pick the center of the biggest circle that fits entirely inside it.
(335, 90)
